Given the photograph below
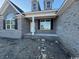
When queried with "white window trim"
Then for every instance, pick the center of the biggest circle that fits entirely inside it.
(10, 17)
(10, 25)
(48, 5)
(45, 21)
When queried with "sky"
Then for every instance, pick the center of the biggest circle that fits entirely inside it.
(25, 5)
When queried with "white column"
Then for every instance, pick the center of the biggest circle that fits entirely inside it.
(33, 26)
(1, 22)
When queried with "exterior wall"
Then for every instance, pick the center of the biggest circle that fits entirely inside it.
(38, 31)
(8, 10)
(25, 26)
(10, 33)
(68, 28)
(1, 22)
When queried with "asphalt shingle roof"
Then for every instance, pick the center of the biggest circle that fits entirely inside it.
(20, 10)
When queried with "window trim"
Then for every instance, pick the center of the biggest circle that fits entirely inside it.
(48, 5)
(45, 21)
(9, 25)
(10, 18)
(34, 6)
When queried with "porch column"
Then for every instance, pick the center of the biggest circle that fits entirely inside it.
(33, 26)
(1, 23)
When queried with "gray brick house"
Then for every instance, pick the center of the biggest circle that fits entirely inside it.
(29, 23)
(57, 28)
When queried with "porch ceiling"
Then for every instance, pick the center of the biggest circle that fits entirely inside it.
(49, 13)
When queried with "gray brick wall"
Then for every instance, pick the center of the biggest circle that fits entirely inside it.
(10, 33)
(68, 28)
(25, 25)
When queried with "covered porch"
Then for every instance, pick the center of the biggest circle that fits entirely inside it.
(40, 23)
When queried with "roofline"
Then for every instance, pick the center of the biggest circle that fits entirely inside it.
(64, 6)
(19, 9)
(5, 2)
(3, 5)
(14, 7)
(41, 13)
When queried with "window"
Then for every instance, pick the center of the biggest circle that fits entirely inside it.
(10, 21)
(45, 24)
(34, 6)
(48, 4)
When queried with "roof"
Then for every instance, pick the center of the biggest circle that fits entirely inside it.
(20, 10)
(5, 5)
(65, 6)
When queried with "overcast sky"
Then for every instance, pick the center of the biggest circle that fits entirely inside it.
(26, 4)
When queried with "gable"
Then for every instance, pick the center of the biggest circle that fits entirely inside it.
(8, 7)
(8, 10)
(16, 7)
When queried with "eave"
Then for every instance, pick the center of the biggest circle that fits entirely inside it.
(45, 13)
(66, 4)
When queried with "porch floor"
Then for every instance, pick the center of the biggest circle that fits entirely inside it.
(53, 35)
